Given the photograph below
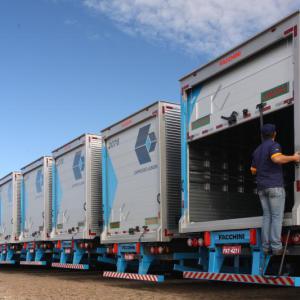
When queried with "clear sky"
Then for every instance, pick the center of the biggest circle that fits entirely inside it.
(70, 67)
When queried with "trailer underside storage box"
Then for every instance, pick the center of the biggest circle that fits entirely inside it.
(36, 200)
(221, 130)
(76, 193)
(141, 176)
(10, 190)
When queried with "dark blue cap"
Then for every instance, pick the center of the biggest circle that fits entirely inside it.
(268, 129)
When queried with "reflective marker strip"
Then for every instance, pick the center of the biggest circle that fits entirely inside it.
(70, 266)
(9, 262)
(134, 276)
(33, 263)
(243, 278)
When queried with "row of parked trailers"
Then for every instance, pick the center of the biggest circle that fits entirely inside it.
(168, 188)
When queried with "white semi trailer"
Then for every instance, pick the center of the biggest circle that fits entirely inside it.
(10, 195)
(222, 105)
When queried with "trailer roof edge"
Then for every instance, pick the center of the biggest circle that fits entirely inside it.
(202, 67)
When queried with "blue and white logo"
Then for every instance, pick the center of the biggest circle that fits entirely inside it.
(78, 165)
(39, 181)
(145, 144)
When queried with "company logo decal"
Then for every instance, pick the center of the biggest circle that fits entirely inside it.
(230, 58)
(78, 165)
(275, 92)
(145, 144)
(39, 181)
(237, 236)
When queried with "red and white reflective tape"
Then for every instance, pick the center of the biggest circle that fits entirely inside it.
(32, 263)
(133, 276)
(243, 278)
(70, 266)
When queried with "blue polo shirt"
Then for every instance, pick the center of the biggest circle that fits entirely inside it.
(269, 174)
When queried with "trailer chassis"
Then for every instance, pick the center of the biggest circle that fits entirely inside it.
(246, 267)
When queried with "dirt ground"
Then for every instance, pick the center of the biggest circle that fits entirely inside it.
(62, 284)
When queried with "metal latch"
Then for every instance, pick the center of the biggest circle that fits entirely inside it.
(232, 119)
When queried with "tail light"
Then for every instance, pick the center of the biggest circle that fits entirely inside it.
(195, 242)
(152, 250)
(115, 249)
(160, 250)
(207, 239)
(190, 242)
(296, 238)
(86, 245)
(72, 244)
(200, 242)
(58, 245)
(138, 248)
(253, 239)
(25, 246)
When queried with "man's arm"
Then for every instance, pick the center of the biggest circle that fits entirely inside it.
(280, 159)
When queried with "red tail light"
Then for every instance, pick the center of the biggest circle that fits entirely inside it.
(253, 239)
(58, 245)
(195, 243)
(296, 238)
(207, 240)
(115, 249)
(25, 246)
(72, 244)
(138, 248)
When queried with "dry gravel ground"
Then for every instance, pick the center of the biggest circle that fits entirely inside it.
(61, 284)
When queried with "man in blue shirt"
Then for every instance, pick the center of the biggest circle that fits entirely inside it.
(267, 166)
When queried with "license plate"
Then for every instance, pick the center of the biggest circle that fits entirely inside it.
(232, 250)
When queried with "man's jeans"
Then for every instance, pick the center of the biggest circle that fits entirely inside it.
(272, 201)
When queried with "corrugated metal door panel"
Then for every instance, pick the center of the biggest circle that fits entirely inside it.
(33, 200)
(133, 175)
(173, 171)
(70, 192)
(17, 221)
(6, 202)
(49, 199)
(95, 185)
